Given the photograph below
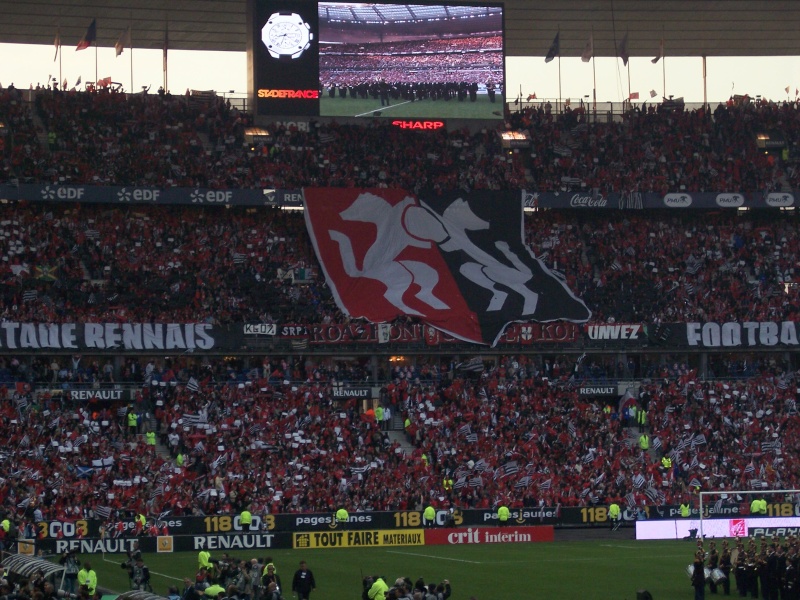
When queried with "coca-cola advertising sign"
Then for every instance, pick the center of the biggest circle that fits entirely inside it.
(588, 201)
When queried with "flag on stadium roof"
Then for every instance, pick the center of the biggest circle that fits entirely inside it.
(57, 44)
(89, 37)
(623, 50)
(123, 41)
(588, 49)
(555, 48)
(660, 54)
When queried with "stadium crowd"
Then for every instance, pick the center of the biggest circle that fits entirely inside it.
(171, 141)
(418, 69)
(474, 43)
(65, 263)
(275, 440)
(272, 437)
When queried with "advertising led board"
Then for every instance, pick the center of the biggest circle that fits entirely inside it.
(397, 61)
(714, 528)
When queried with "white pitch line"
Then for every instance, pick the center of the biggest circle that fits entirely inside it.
(541, 560)
(166, 576)
(382, 108)
(472, 562)
(618, 546)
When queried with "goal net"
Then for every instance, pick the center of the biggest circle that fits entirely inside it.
(733, 513)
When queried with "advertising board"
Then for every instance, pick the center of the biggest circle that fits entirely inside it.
(412, 63)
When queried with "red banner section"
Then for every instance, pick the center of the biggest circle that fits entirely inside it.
(489, 535)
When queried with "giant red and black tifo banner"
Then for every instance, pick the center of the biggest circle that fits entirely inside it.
(456, 262)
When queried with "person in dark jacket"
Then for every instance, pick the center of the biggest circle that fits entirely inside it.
(699, 577)
(303, 582)
(70, 563)
(270, 576)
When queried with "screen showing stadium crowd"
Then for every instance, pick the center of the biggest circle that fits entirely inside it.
(271, 436)
(476, 60)
(229, 426)
(164, 140)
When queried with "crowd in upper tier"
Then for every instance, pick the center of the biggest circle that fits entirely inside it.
(165, 140)
(276, 440)
(103, 263)
(518, 433)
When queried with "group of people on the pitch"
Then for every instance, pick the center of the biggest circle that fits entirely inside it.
(230, 578)
(773, 568)
(377, 588)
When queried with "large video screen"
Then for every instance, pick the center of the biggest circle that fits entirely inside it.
(348, 59)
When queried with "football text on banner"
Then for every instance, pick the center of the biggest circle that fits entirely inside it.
(750, 334)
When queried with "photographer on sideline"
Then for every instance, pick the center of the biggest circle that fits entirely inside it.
(140, 576)
(70, 563)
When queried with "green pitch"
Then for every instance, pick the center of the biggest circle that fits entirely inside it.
(597, 570)
(438, 109)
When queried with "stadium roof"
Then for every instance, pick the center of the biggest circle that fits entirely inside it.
(404, 13)
(689, 27)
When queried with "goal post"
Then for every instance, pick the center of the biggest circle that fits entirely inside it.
(774, 509)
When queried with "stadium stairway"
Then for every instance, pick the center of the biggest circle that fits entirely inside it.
(207, 145)
(633, 437)
(41, 131)
(161, 450)
(396, 423)
(401, 439)
(784, 182)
